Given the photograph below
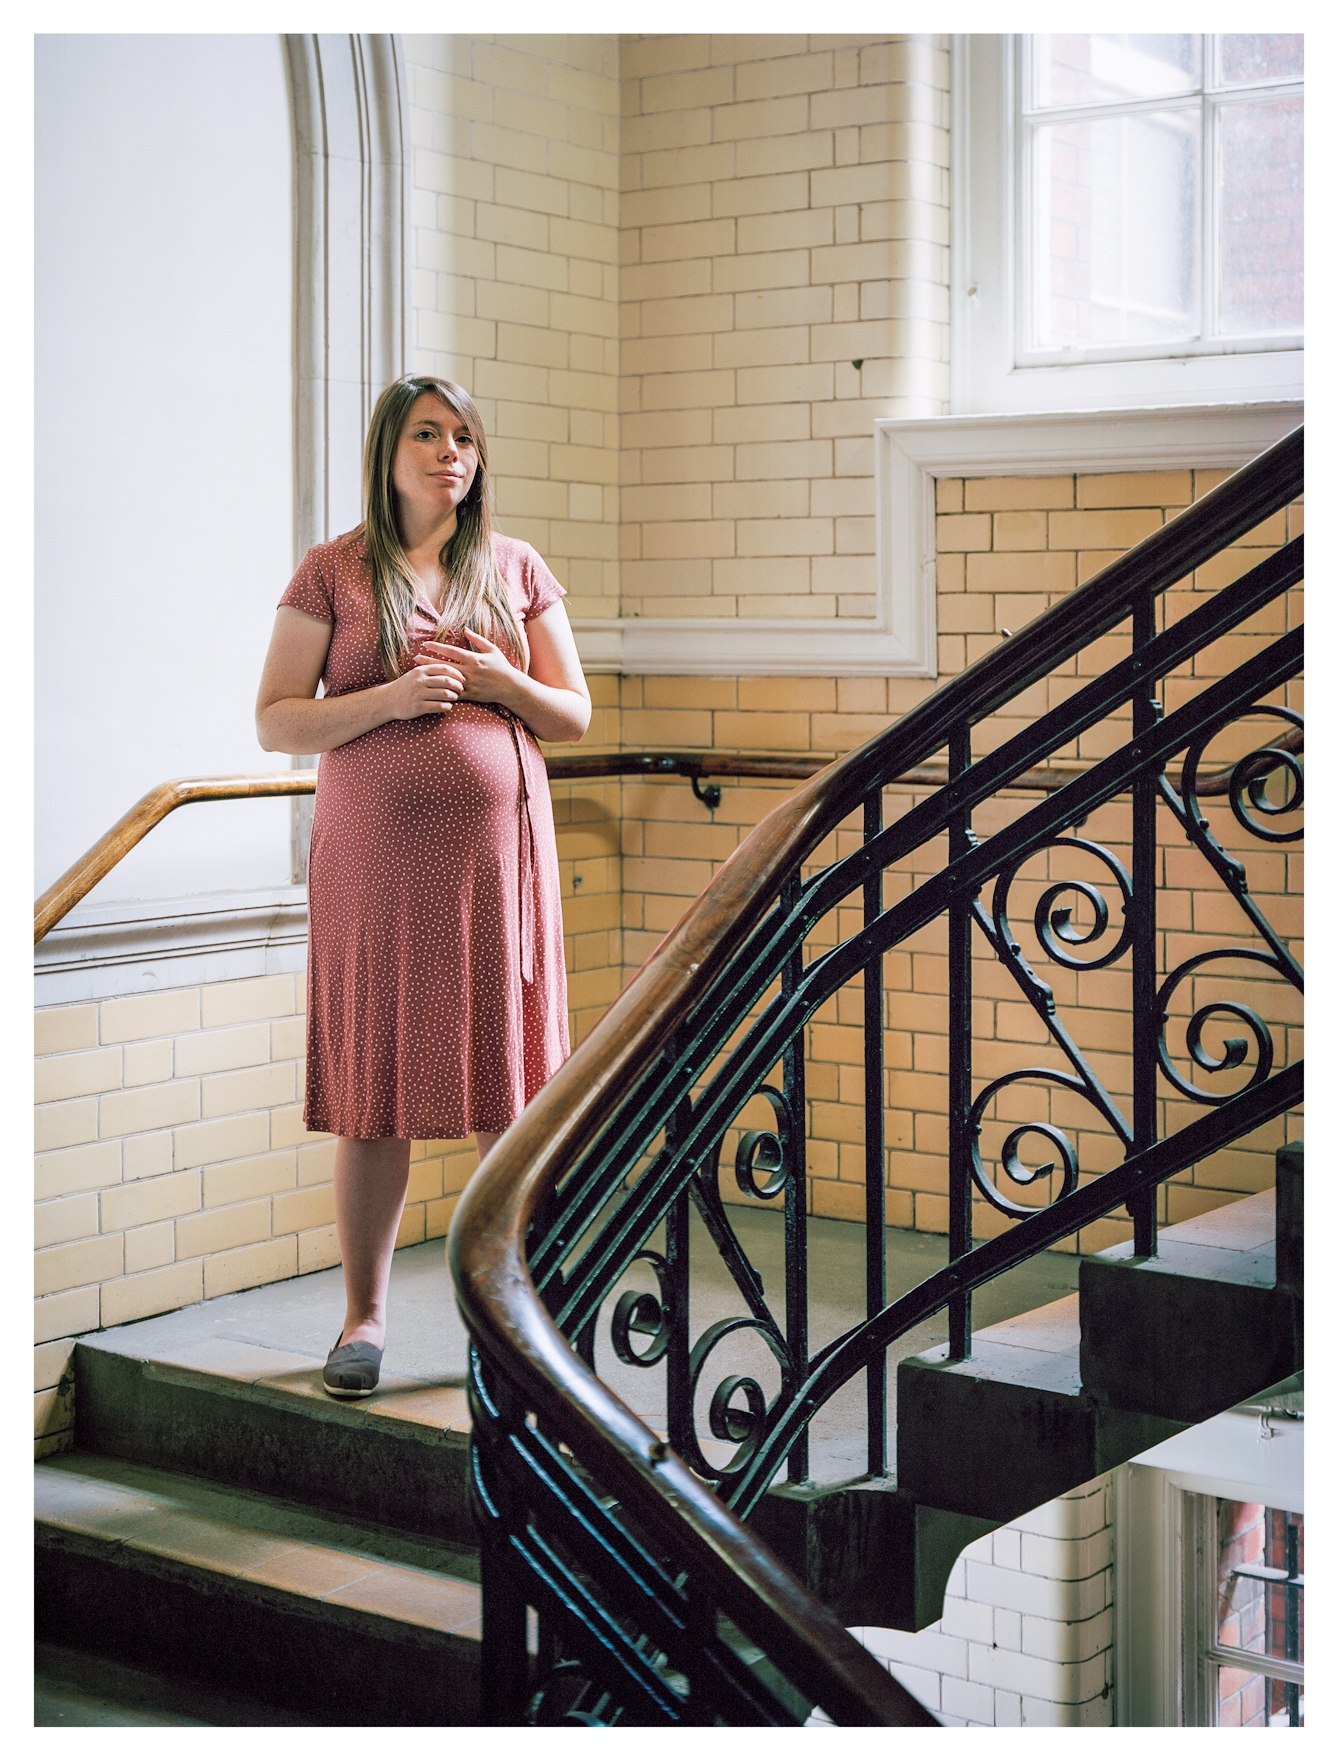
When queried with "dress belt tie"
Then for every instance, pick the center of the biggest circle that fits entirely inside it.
(527, 752)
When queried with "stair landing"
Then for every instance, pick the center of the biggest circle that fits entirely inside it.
(273, 1341)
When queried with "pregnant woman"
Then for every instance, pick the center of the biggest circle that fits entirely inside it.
(436, 993)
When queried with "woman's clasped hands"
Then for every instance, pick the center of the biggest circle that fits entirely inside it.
(443, 675)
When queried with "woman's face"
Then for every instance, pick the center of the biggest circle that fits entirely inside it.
(435, 461)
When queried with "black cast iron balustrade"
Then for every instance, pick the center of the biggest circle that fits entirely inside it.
(611, 1594)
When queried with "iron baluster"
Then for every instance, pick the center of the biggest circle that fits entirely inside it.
(1143, 922)
(783, 928)
(796, 1187)
(960, 1186)
(504, 1687)
(678, 1387)
(875, 1175)
(781, 1021)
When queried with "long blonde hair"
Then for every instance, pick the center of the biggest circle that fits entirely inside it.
(476, 596)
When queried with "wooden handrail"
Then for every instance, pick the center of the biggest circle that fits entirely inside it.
(61, 897)
(97, 862)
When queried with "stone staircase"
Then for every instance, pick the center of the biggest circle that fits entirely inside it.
(223, 1515)
(1051, 1398)
(251, 1531)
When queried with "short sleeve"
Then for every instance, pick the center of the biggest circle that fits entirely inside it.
(542, 589)
(308, 590)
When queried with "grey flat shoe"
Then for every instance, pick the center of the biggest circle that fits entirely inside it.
(352, 1371)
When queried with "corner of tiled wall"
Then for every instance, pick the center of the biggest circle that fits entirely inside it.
(1026, 1631)
(514, 249)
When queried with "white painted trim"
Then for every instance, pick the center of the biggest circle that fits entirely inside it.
(1236, 1455)
(899, 642)
(1229, 1456)
(751, 648)
(1146, 1595)
(350, 215)
(163, 944)
(350, 282)
(984, 376)
(909, 455)
(1050, 442)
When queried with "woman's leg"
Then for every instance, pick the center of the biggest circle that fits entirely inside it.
(484, 1140)
(371, 1177)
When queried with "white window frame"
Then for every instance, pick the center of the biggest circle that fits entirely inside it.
(1231, 1456)
(986, 372)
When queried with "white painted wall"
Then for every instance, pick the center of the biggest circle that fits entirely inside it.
(164, 364)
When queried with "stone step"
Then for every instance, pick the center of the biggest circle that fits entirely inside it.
(870, 1550)
(230, 1390)
(1050, 1399)
(998, 1433)
(1210, 1319)
(350, 1623)
(260, 1419)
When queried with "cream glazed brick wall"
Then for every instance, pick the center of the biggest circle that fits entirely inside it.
(1007, 548)
(1025, 1637)
(514, 277)
(172, 1164)
(784, 282)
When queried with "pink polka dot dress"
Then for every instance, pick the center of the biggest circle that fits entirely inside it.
(436, 991)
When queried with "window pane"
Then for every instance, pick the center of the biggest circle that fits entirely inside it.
(1246, 59)
(1260, 216)
(1116, 229)
(1256, 1701)
(1260, 1608)
(1108, 69)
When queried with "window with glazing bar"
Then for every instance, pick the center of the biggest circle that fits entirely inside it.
(1159, 194)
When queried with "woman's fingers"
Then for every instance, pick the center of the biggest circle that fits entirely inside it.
(436, 671)
(433, 688)
(455, 656)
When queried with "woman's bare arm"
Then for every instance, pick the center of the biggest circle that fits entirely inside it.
(291, 718)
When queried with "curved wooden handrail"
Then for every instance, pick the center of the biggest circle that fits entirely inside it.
(61, 897)
(96, 863)
(488, 1233)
